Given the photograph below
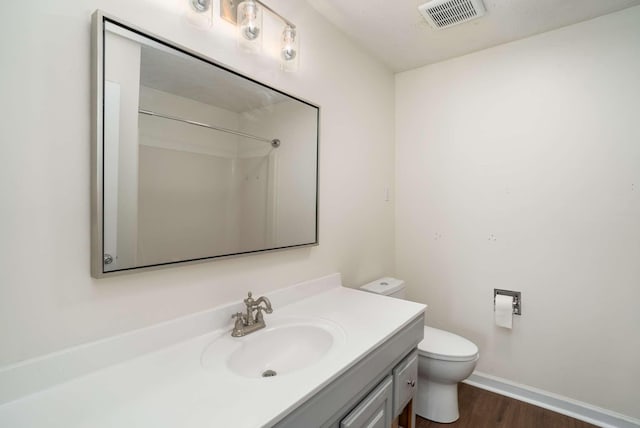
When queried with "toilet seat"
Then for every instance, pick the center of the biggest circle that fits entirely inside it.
(443, 345)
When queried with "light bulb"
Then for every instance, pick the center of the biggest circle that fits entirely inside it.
(288, 44)
(250, 29)
(199, 13)
(249, 26)
(289, 49)
(200, 5)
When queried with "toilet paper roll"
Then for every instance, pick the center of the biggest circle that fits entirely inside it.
(504, 311)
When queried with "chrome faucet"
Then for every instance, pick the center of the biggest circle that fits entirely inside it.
(248, 322)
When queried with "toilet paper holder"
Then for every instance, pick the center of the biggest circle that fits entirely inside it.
(517, 299)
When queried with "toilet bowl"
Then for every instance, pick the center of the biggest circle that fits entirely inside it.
(444, 360)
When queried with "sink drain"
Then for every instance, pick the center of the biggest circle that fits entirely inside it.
(269, 373)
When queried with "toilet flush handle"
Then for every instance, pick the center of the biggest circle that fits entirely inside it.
(412, 383)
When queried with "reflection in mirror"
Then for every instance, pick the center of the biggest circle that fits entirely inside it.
(197, 161)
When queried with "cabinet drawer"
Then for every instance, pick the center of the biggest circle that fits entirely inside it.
(374, 411)
(405, 382)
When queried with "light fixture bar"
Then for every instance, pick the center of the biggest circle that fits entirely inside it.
(228, 11)
(282, 18)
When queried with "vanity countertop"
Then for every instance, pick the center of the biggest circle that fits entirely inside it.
(171, 388)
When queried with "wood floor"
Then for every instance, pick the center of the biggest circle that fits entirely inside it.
(483, 409)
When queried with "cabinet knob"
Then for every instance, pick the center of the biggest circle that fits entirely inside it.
(412, 383)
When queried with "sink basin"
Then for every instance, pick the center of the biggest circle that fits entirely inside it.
(281, 350)
(284, 346)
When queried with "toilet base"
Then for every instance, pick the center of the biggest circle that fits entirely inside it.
(437, 402)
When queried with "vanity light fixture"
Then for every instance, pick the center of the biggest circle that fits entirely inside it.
(247, 16)
(200, 13)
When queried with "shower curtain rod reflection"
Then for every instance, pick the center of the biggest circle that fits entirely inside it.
(274, 143)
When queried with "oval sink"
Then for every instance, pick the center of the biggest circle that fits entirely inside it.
(284, 346)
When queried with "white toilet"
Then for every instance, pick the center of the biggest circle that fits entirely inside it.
(444, 359)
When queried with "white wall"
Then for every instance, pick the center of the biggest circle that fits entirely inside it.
(518, 167)
(48, 300)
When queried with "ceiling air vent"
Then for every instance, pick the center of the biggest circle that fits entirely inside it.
(445, 13)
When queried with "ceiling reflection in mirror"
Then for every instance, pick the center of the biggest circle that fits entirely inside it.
(198, 161)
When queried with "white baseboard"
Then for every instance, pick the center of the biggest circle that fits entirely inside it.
(557, 403)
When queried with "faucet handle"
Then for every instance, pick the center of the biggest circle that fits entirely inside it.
(238, 328)
(249, 301)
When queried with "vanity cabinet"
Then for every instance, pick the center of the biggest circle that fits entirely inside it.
(372, 393)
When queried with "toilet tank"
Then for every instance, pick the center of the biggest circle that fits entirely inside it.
(386, 286)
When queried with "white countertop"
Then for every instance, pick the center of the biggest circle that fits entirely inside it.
(171, 388)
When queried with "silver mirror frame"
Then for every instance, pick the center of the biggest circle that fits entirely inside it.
(98, 256)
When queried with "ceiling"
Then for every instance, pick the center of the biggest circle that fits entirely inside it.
(395, 32)
(179, 74)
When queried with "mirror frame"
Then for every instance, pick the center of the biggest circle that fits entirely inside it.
(98, 20)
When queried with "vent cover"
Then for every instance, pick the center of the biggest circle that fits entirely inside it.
(446, 13)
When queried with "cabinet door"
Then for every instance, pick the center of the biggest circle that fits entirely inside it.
(375, 410)
(405, 378)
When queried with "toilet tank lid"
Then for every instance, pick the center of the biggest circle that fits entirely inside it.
(386, 286)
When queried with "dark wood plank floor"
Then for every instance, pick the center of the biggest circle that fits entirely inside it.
(483, 409)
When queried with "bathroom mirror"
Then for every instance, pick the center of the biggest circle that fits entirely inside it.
(192, 161)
